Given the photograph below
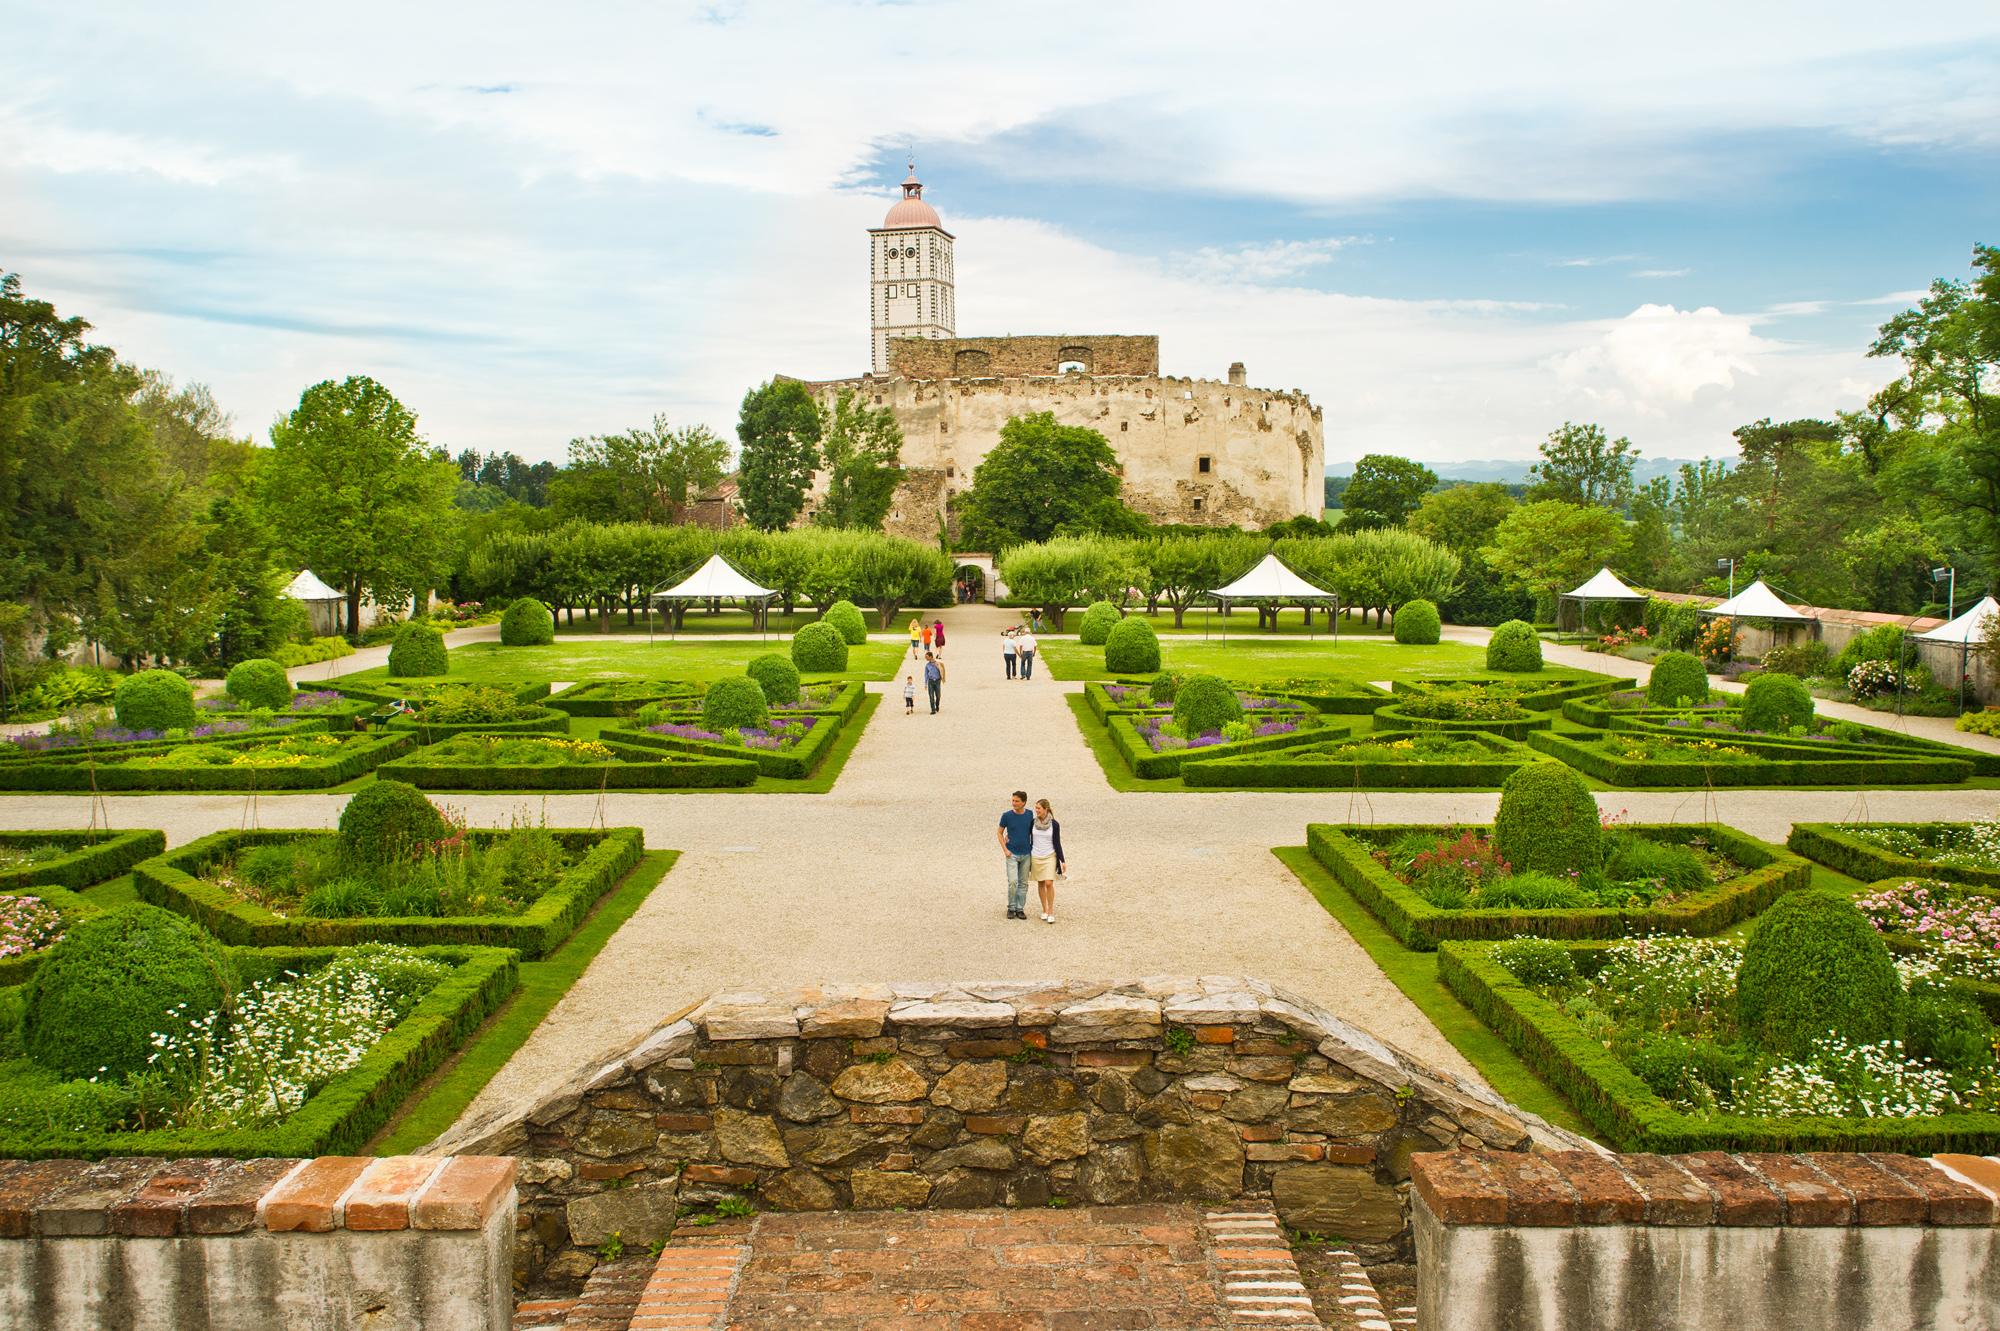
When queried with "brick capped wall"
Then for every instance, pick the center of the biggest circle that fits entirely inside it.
(990, 357)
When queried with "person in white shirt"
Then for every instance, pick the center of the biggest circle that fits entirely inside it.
(1025, 645)
(1007, 650)
(1045, 857)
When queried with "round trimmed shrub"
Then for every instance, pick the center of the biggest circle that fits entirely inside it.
(1131, 648)
(1163, 688)
(1548, 822)
(388, 822)
(1677, 675)
(1098, 621)
(1205, 703)
(1417, 622)
(418, 650)
(154, 700)
(1514, 646)
(93, 1004)
(527, 623)
(778, 677)
(1814, 967)
(259, 682)
(734, 702)
(1776, 703)
(818, 648)
(845, 616)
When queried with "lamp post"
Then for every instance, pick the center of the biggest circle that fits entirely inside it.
(1949, 576)
(1729, 564)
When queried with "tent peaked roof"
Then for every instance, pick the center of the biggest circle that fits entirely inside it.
(1756, 601)
(1606, 586)
(1271, 580)
(1969, 628)
(308, 587)
(716, 580)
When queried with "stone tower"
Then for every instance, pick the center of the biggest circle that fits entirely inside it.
(909, 274)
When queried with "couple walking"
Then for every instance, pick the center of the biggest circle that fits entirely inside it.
(1031, 847)
(1017, 648)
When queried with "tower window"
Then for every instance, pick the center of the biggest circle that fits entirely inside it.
(1197, 505)
(1123, 426)
(1071, 367)
(1203, 464)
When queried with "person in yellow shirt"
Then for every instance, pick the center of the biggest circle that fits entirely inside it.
(916, 639)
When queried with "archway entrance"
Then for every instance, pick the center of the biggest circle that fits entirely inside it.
(968, 583)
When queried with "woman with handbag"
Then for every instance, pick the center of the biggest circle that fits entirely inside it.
(1045, 858)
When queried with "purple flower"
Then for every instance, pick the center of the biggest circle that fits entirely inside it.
(305, 702)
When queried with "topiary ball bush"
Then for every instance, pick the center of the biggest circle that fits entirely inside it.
(1417, 622)
(1514, 646)
(259, 682)
(527, 623)
(818, 649)
(734, 702)
(1163, 688)
(1776, 703)
(1205, 703)
(154, 700)
(845, 616)
(1098, 621)
(1677, 675)
(93, 1004)
(1131, 648)
(418, 650)
(1814, 967)
(388, 822)
(777, 676)
(1548, 822)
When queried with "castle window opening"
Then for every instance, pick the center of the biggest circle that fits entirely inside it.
(1197, 505)
(1123, 426)
(1204, 464)
(1071, 367)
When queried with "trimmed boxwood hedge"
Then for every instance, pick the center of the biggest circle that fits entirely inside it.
(1786, 766)
(351, 1107)
(602, 698)
(358, 755)
(1139, 756)
(1626, 1111)
(97, 857)
(631, 768)
(403, 690)
(1290, 769)
(1347, 854)
(16, 969)
(1392, 720)
(1845, 853)
(1103, 706)
(1873, 740)
(797, 764)
(1551, 693)
(340, 721)
(539, 721)
(170, 880)
(527, 623)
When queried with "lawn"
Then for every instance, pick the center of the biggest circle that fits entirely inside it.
(575, 662)
(1255, 660)
(700, 624)
(1243, 623)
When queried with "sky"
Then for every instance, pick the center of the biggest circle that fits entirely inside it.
(1455, 225)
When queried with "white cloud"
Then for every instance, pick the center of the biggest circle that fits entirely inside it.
(1593, 261)
(1661, 272)
(1269, 262)
(43, 141)
(1659, 357)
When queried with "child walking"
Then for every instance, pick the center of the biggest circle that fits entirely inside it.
(909, 695)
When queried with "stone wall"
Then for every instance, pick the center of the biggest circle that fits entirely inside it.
(333, 1244)
(1708, 1242)
(987, 1094)
(956, 357)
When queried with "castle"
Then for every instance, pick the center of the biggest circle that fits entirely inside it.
(1203, 451)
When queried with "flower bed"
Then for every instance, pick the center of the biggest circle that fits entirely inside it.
(1628, 758)
(1825, 733)
(31, 921)
(1422, 760)
(329, 711)
(791, 746)
(1463, 709)
(308, 1068)
(1130, 698)
(1643, 1042)
(477, 761)
(1545, 692)
(210, 881)
(622, 697)
(1422, 915)
(288, 762)
(72, 859)
(1964, 852)
(468, 709)
(1152, 750)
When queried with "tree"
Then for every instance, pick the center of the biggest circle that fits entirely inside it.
(1181, 569)
(1550, 546)
(1070, 570)
(646, 474)
(891, 572)
(1040, 480)
(1581, 466)
(1384, 491)
(861, 449)
(777, 436)
(1463, 517)
(357, 496)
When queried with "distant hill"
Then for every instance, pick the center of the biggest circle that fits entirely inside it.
(1514, 471)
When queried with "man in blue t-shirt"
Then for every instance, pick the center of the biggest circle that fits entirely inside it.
(1017, 839)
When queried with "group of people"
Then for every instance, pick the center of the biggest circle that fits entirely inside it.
(926, 641)
(1031, 848)
(1017, 649)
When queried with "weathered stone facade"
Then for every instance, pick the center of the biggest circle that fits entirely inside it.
(1001, 1093)
(1015, 357)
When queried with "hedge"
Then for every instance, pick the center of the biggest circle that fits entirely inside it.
(1347, 855)
(98, 857)
(1291, 770)
(292, 655)
(317, 723)
(1873, 738)
(347, 1111)
(1392, 720)
(527, 623)
(1846, 853)
(170, 881)
(16, 969)
(355, 757)
(630, 768)
(1549, 694)
(1626, 1111)
(383, 691)
(1788, 766)
(1103, 706)
(796, 764)
(538, 721)
(1139, 756)
(603, 697)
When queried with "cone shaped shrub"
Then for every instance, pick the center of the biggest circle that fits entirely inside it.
(1417, 622)
(845, 616)
(1205, 703)
(1815, 967)
(1677, 675)
(818, 649)
(1131, 648)
(778, 677)
(154, 700)
(1097, 623)
(527, 623)
(1548, 822)
(1514, 646)
(733, 702)
(418, 650)
(1776, 703)
(259, 682)
(388, 822)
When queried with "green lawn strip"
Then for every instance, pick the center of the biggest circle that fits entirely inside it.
(1291, 624)
(577, 662)
(1253, 660)
(1415, 973)
(113, 892)
(435, 1106)
(1098, 737)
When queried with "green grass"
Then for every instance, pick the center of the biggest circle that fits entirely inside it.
(578, 662)
(112, 892)
(1210, 622)
(732, 621)
(1253, 660)
(1415, 973)
(435, 1106)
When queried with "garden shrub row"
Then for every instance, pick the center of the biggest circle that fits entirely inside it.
(1791, 765)
(632, 767)
(16, 969)
(1547, 694)
(97, 857)
(292, 655)
(1139, 755)
(1292, 770)
(538, 721)
(1626, 1112)
(1347, 854)
(357, 756)
(1843, 852)
(1872, 739)
(801, 761)
(1392, 720)
(340, 718)
(351, 1107)
(620, 697)
(387, 691)
(172, 881)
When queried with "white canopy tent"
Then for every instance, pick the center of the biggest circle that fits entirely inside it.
(1271, 581)
(322, 602)
(716, 580)
(1757, 601)
(1969, 630)
(1604, 585)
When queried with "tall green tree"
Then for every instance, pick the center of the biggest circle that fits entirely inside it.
(1550, 546)
(1463, 517)
(357, 496)
(777, 438)
(1384, 491)
(647, 474)
(1581, 465)
(861, 450)
(1042, 479)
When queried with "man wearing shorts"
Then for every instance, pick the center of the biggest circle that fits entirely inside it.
(1017, 842)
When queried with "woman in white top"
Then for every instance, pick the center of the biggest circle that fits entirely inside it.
(1007, 650)
(1045, 857)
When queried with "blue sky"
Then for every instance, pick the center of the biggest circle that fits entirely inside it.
(1455, 225)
